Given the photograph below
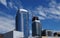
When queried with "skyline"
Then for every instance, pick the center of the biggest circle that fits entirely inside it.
(47, 10)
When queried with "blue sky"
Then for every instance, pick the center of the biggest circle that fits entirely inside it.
(48, 12)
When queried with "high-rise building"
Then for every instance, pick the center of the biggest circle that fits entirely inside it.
(22, 20)
(36, 27)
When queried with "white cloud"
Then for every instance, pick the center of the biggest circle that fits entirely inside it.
(6, 15)
(7, 23)
(16, 7)
(11, 4)
(54, 17)
(41, 11)
(52, 12)
(58, 7)
(3, 2)
(52, 3)
(41, 18)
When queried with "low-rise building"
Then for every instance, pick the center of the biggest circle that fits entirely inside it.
(1, 35)
(14, 34)
(57, 34)
(47, 33)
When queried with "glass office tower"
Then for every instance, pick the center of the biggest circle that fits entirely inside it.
(22, 19)
(36, 27)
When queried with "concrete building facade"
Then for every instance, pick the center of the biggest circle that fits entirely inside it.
(14, 34)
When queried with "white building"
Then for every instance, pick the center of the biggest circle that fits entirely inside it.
(14, 34)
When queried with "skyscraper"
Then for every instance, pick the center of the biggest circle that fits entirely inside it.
(36, 27)
(22, 19)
